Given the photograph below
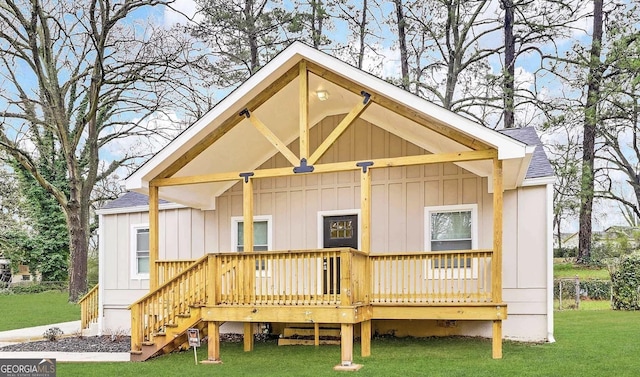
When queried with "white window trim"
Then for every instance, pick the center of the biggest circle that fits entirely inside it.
(235, 220)
(133, 251)
(339, 212)
(451, 272)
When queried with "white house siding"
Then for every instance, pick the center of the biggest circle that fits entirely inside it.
(399, 196)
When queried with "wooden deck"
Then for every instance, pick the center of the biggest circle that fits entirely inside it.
(338, 286)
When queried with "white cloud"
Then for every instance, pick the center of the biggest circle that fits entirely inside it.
(181, 12)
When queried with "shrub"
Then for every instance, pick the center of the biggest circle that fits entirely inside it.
(565, 252)
(625, 279)
(52, 334)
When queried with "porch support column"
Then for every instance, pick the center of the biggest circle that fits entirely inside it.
(365, 210)
(213, 356)
(346, 349)
(496, 268)
(249, 266)
(153, 236)
(248, 336)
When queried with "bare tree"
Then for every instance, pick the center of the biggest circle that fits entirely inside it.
(88, 76)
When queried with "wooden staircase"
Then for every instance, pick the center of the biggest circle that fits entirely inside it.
(171, 336)
(160, 319)
(305, 334)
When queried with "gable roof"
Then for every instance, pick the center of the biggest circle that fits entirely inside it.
(540, 166)
(273, 95)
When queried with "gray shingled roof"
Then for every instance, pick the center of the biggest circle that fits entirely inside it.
(130, 199)
(539, 166)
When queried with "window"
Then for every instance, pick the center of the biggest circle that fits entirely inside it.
(451, 228)
(261, 236)
(140, 251)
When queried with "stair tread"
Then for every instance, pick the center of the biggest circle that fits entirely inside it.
(133, 352)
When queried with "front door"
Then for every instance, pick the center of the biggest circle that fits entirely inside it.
(338, 231)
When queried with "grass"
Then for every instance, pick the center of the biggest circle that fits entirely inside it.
(27, 310)
(589, 343)
(569, 270)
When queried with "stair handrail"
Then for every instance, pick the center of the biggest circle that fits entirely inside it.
(89, 307)
(138, 329)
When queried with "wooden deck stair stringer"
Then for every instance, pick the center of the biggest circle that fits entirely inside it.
(174, 336)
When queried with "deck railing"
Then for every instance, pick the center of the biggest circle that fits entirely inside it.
(306, 277)
(154, 311)
(167, 269)
(89, 308)
(431, 278)
(324, 277)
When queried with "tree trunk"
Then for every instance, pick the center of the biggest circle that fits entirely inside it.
(509, 65)
(78, 246)
(402, 41)
(588, 142)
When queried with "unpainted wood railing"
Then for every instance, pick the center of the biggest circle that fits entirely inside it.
(167, 269)
(431, 277)
(304, 277)
(161, 307)
(89, 307)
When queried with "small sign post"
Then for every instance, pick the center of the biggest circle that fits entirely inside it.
(194, 341)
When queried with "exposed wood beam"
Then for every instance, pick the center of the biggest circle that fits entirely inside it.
(335, 167)
(273, 139)
(228, 123)
(303, 77)
(339, 130)
(390, 104)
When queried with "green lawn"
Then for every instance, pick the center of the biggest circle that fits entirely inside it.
(569, 270)
(589, 343)
(26, 310)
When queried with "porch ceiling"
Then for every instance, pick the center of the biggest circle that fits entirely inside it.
(243, 148)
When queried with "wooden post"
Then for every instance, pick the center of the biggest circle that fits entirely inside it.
(136, 328)
(248, 267)
(153, 236)
(303, 76)
(316, 334)
(346, 288)
(213, 353)
(346, 344)
(365, 210)
(496, 341)
(346, 349)
(365, 338)
(496, 268)
(248, 336)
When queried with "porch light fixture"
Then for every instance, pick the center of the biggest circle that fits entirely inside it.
(323, 95)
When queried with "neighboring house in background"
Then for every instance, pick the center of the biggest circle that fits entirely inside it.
(326, 161)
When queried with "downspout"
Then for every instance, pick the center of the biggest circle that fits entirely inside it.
(549, 211)
(100, 274)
